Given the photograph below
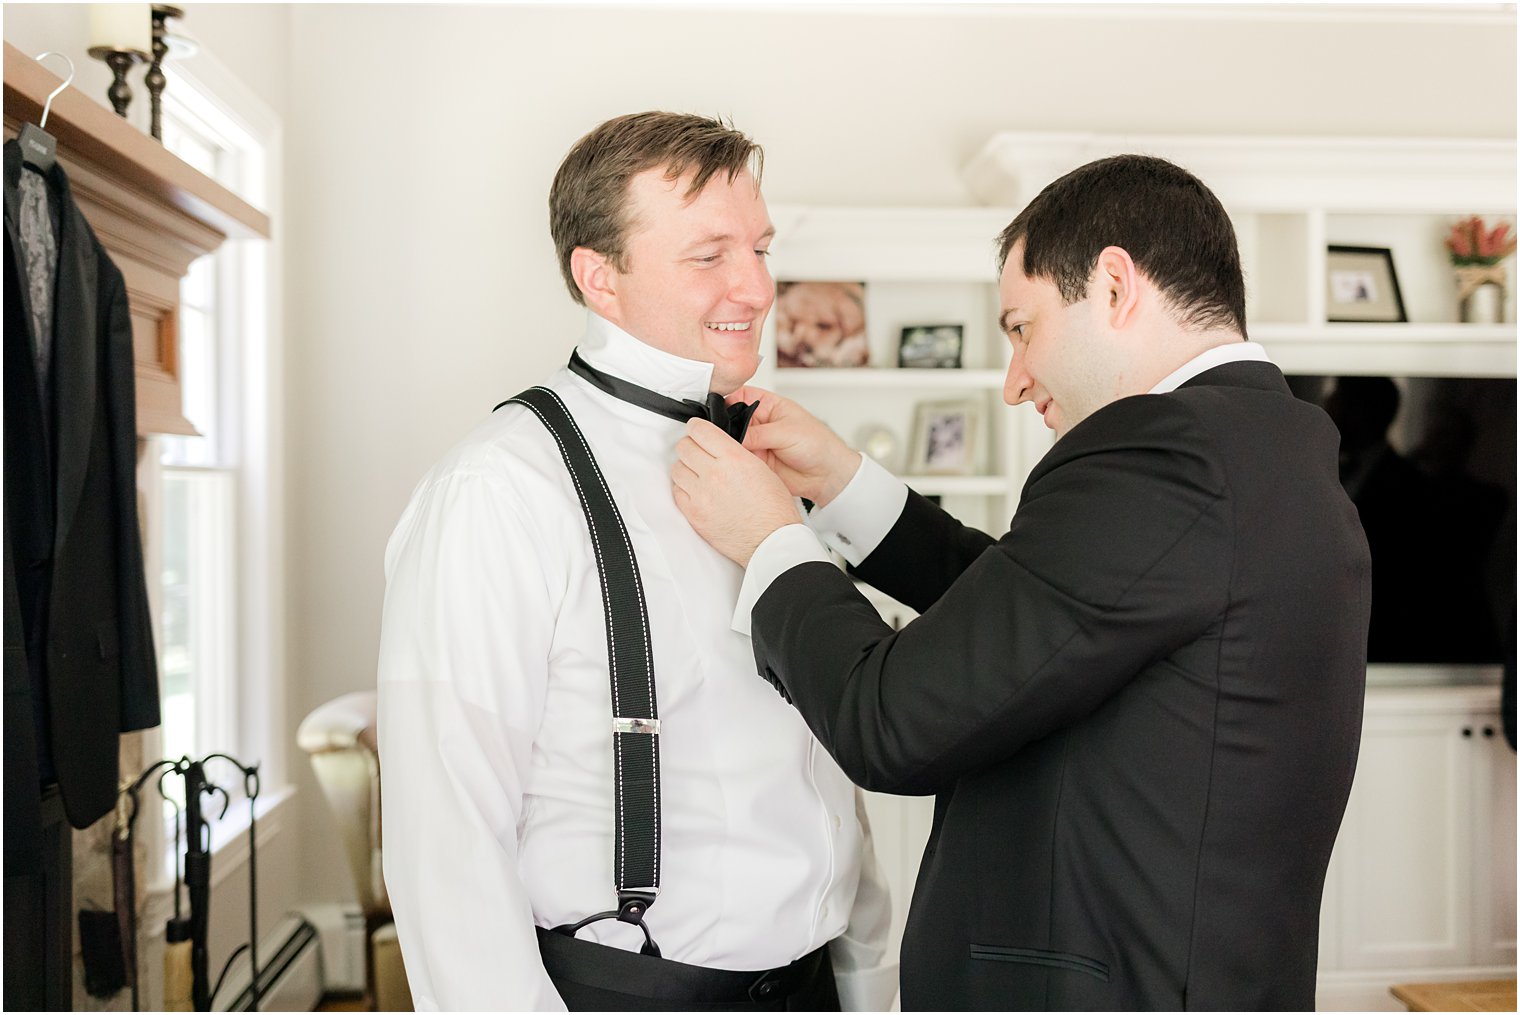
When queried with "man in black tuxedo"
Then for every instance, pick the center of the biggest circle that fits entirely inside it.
(1139, 709)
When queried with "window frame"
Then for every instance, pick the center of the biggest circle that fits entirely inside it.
(250, 714)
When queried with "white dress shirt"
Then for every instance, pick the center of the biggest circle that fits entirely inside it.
(495, 724)
(855, 522)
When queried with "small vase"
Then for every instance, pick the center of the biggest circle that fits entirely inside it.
(1480, 294)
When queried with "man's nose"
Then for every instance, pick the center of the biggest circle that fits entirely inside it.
(752, 285)
(1017, 386)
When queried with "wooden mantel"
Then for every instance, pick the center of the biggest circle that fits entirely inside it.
(153, 213)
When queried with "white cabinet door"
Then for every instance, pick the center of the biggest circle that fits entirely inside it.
(1405, 865)
(1494, 844)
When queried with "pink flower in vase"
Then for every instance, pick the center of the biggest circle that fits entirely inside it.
(1471, 243)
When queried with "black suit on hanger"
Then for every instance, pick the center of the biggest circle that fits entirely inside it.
(79, 661)
(1139, 709)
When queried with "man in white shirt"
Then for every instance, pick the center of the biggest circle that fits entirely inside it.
(495, 717)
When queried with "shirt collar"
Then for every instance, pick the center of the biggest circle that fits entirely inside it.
(613, 350)
(1219, 355)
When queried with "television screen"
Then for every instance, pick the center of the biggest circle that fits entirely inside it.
(1429, 463)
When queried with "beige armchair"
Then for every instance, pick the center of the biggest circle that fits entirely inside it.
(340, 737)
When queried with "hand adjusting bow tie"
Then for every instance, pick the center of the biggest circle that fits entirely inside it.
(732, 419)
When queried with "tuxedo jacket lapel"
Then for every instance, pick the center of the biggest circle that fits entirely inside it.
(74, 361)
(13, 171)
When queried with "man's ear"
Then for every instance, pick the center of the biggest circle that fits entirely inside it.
(597, 280)
(1117, 286)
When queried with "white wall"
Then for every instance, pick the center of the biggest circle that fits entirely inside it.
(421, 284)
(251, 40)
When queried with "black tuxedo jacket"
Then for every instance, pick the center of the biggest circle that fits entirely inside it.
(78, 635)
(1139, 709)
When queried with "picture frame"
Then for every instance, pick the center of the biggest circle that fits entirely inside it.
(931, 346)
(821, 324)
(945, 437)
(1361, 285)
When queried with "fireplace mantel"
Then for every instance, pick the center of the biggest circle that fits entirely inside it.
(153, 213)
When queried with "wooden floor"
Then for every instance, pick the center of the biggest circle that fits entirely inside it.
(342, 1002)
(1476, 995)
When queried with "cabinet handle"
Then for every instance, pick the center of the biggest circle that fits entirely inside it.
(1467, 731)
(1488, 731)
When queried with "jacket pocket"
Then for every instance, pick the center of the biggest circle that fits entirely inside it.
(1039, 957)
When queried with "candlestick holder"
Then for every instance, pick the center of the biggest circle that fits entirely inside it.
(155, 79)
(120, 61)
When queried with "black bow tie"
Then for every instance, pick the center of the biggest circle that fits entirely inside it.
(733, 419)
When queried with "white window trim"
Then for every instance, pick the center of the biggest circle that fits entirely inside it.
(258, 431)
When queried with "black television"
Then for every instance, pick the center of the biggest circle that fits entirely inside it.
(1429, 463)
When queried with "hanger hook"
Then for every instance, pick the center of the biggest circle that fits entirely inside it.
(66, 82)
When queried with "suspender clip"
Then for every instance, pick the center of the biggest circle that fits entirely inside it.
(632, 905)
(620, 725)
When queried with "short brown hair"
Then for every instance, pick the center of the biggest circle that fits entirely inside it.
(1166, 219)
(588, 202)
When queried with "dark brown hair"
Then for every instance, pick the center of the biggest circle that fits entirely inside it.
(588, 202)
(1171, 225)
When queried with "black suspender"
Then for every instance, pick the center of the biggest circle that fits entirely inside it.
(635, 718)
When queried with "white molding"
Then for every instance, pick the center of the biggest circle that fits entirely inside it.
(1398, 350)
(1255, 174)
(1473, 699)
(1432, 675)
(888, 244)
(263, 663)
(210, 80)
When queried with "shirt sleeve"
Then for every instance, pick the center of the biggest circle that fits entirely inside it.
(864, 971)
(851, 524)
(855, 522)
(781, 551)
(462, 681)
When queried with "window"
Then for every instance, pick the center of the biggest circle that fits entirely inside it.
(197, 659)
(209, 514)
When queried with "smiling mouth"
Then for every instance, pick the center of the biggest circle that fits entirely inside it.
(728, 325)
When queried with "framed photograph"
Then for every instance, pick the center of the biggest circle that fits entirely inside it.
(1360, 285)
(821, 324)
(930, 345)
(944, 438)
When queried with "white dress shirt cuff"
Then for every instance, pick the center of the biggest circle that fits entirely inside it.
(855, 522)
(782, 550)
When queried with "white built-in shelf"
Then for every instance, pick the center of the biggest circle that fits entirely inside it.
(1257, 175)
